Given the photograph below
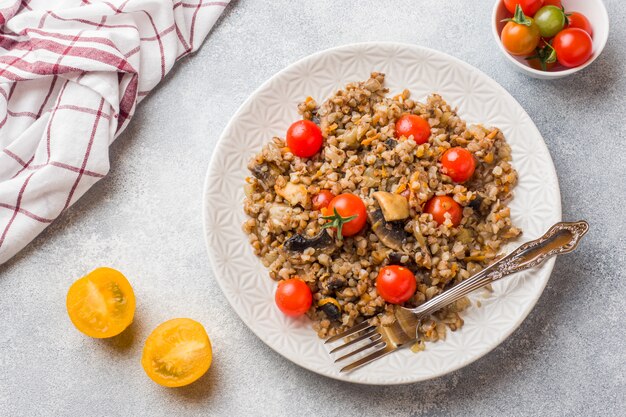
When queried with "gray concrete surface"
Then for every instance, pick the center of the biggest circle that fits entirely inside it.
(566, 359)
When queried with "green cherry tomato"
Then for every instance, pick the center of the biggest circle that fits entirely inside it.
(550, 20)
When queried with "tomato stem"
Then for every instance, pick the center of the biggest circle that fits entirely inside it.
(519, 17)
(567, 15)
(337, 222)
(545, 55)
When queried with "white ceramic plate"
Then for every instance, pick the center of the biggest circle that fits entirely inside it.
(272, 108)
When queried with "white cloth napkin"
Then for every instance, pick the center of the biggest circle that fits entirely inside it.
(71, 74)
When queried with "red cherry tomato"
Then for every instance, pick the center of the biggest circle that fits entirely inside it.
(395, 284)
(322, 199)
(556, 3)
(578, 20)
(412, 124)
(293, 297)
(348, 205)
(458, 163)
(439, 205)
(529, 7)
(304, 138)
(573, 47)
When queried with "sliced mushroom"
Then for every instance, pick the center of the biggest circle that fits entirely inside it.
(394, 206)
(403, 259)
(298, 243)
(421, 241)
(294, 194)
(265, 172)
(391, 234)
(391, 143)
(476, 204)
(336, 282)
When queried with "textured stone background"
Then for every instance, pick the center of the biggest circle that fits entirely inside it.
(567, 358)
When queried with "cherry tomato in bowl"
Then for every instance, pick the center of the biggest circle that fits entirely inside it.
(536, 63)
(573, 47)
(521, 35)
(322, 199)
(304, 138)
(396, 284)
(529, 7)
(347, 215)
(580, 21)
(440, 205)
(550, 20)
(413, 125)
(556, 3)
(458, 163)
(293, 297)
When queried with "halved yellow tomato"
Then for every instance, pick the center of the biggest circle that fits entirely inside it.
(102, 303)
(177, 353)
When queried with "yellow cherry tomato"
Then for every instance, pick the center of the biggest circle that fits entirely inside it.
(177, 353)
(102, 303)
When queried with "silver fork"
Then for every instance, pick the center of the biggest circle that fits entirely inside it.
(381, 340)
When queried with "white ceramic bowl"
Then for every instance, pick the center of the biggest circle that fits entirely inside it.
(594, 10)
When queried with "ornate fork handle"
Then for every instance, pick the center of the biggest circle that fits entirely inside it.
(561, 238)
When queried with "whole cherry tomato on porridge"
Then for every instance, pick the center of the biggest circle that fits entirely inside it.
(347, 215)
(293, 297)
(413, 125)
(304, 138)
(458, 163)
(395, 284)
(440, 205)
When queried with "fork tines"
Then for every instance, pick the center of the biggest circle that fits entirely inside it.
(361, 332)
(352, 330)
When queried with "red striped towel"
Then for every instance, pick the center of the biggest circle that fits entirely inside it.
(70, 79)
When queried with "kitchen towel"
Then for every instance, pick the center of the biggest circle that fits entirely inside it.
(71, 74)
